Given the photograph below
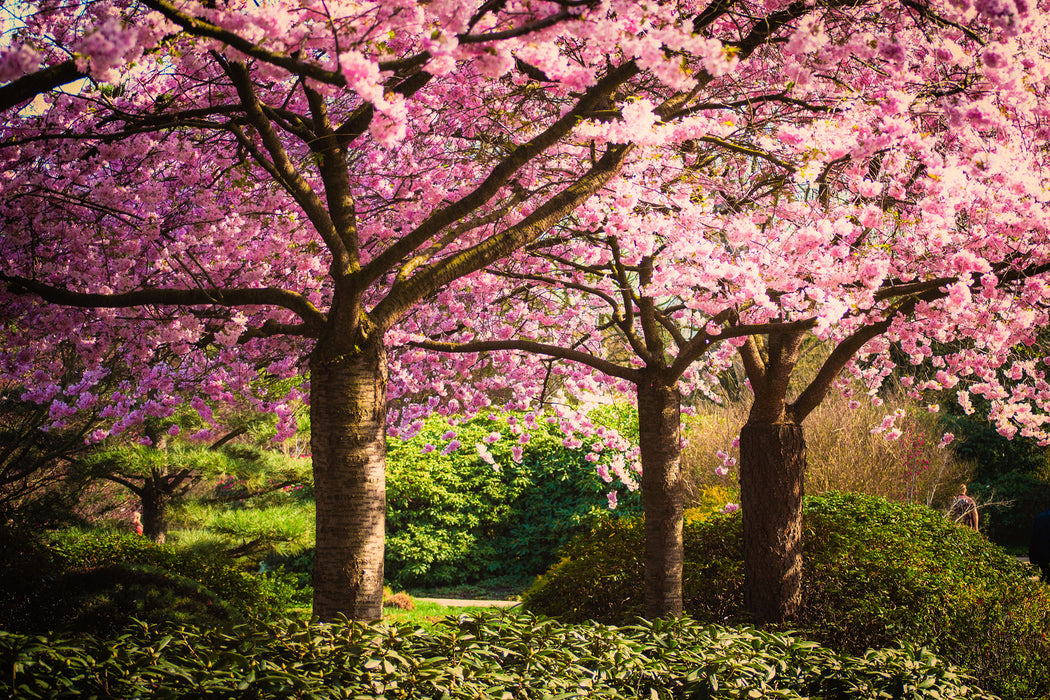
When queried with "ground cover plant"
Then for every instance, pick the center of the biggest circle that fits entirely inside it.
(878, 574)
(487, 655)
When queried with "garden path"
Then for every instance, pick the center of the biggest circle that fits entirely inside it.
(464, 603)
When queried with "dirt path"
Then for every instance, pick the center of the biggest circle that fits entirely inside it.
(463, 603)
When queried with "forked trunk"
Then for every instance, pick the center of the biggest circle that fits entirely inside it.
(348, 440)
(659, 423)
(772, 465)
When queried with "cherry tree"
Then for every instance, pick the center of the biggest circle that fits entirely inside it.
(877, 178)
(226, 190)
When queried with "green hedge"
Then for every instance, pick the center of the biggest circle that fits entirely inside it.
(453, 518)
(488, 656)
(875, 574)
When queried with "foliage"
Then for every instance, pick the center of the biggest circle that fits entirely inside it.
(994, 455)
(1013, 500)
(454, 518)
(486, 655)
(97, 580)
(255, 534)
(875, 574)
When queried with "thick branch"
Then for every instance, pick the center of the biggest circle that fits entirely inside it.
(198, 27)
(530, 346)
(27, 87)
(817, 389)
(288, 175)
(430, 279)
(267, 296)
(754, 365)
(499, 176)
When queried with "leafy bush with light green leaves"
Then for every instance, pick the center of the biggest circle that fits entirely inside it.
(487, 655)
(875, 574)
(454, 518)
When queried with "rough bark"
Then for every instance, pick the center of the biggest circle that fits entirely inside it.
(348, 440)
(154, 509)
(772, 465)
(659, 421)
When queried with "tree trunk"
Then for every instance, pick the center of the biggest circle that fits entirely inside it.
(772, 465)
(154, 509)
(659, 428)
(348, 441)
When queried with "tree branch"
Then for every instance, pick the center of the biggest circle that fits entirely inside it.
(29, 86)
(288, 175)
(433, 277)
(530, 346)
(267, 296)
(497, 178)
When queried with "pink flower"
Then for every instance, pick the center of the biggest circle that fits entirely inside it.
(429, 447)
(451, 447)
(515, 454)
(612, 500)
(721, 471)
(730, 507)
(449, 434)
(945, 440)
(173, 430)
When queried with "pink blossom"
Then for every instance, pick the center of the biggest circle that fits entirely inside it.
(730, 507)
(612, 500)
(451, 447)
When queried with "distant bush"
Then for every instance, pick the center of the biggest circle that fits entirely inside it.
(454, 518)
(491, 655)
(875, 574)
(1013, 500)
(97, 581)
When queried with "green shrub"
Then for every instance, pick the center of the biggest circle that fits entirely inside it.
(490, 655)
(875, 574)
(96, 580)
(453, 518)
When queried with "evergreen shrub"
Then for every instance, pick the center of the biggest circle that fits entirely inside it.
(875, 574)
(491, 655)
(454, 518)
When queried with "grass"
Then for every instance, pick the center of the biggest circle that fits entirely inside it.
(427, 613)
